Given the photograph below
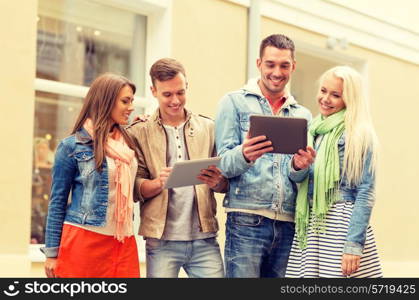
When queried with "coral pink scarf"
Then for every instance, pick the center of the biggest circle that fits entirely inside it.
(118, 150)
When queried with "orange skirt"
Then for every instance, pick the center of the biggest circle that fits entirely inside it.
(87, 254)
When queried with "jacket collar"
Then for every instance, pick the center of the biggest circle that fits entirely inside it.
(252, 88)
(156, 117)
(83, 137)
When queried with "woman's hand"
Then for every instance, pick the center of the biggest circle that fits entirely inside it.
(350, 264)
(303, 158)
(50, 265)
(142, 118)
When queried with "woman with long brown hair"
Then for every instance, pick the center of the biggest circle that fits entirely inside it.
(92, 234)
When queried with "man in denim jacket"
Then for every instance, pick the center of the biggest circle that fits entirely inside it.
(260, 203)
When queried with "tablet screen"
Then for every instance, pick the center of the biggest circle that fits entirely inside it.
(287, 134)
(185, 172)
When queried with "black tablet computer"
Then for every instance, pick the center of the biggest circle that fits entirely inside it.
(287, 134)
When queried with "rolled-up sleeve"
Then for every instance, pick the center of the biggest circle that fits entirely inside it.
(297, 176)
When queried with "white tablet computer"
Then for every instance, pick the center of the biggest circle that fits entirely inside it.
(185, 172)
(287, 134)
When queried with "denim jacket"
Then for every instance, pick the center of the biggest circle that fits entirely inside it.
(263, 184)
(363, 196)
(74, 171)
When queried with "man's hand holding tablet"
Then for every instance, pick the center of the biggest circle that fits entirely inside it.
(213, 178)
(255, 147)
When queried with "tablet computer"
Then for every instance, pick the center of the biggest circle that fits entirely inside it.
(185, 172)
(287, 134)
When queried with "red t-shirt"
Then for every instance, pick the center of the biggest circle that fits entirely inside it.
(276, 106)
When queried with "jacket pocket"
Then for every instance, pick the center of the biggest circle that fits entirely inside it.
(244, 121)
(245, 219)
(86, 163)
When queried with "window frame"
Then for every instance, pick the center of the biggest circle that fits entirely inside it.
(157, 45)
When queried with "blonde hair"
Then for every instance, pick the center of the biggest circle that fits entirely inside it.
(360, 136)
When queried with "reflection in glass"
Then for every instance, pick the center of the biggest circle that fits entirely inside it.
(54, 117)
(78, 40)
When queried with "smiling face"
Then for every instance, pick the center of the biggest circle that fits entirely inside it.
(276, 67)
(123, 106)
(329, 97)
(171, 95)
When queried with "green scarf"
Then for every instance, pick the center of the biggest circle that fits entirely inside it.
(326, 175)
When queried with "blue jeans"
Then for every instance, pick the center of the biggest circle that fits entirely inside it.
(199, 258)
(256, 246)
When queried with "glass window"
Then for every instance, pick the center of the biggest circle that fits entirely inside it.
(77, 40)
(54, 116)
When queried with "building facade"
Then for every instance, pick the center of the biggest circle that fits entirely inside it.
(51, 50)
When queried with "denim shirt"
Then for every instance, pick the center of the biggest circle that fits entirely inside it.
(263, 184)
(362, 195)
(74, 171)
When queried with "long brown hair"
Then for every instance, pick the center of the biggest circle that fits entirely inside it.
(98, 106)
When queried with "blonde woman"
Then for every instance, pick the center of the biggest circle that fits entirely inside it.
(336, 193)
